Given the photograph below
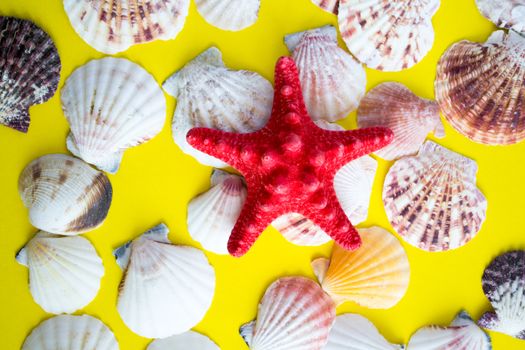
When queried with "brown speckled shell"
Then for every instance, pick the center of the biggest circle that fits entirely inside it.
(509, 14)
(328, 5)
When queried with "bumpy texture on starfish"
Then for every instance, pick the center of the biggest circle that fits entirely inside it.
(289, 165)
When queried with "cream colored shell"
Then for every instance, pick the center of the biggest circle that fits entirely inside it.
(231, 15)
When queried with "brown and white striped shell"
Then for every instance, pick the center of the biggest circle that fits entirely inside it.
(509, 14)
(328, 5)
(230, 15)
(432, 200)
(480, 89)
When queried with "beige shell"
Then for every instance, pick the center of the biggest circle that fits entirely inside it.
(327, 5)
(231, 15)
(509, 14)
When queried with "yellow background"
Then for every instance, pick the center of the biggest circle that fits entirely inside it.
(156, 181)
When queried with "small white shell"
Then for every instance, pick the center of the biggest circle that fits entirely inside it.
(509, 14)
(231, 15)
(300, 231)
(185, 341)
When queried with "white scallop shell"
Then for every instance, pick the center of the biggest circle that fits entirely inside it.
(327, 5)
(231, 15)
(297, 229)
(166, 289)
(509, 14)
(185, 341)
(111, 104)
(213, 96)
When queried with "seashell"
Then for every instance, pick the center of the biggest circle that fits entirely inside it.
(112, 26)
(504, 285)
(212, 215)
(297, 229)
(184, 341)
(509, 14)
(294, 314)
(66, 332)
(328, 5)
(213, 96)
(410, 118)
(388, 35)
(166, 289)
(64, 195)
(231, 15)
(64, 272)
(432, 200)
(375, 276)
(111, 104)
(333, 82)
(479, 88)
(462, 334)
(29, 70)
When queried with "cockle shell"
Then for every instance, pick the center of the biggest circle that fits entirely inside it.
(333, 82)
(432, 200)
(375, 276)
(64, 272)
(185, 341)
(67, 332)
(165, 289)
(111, 104)
(388, 35)
(112, 26)
(294, 314)
(410, 118)
(231, 15)
(29, 70)
(480, 90)
(214, 96)
(64, 195)
(328, 5)
(509, 14)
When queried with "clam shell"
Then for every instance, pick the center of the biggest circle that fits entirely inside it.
(231, 15)
(388, 35)
(29, 70)
(64, 195)
(332, 81)
(410, 118)
(112, 26)
(67, 332)
(185, 341)
(111, 104)
(375, 276)
(480, 90)
(214, 96)
(64, 272)
(327, 5)
(165, 289)
(432, 200)
(509, 14)
(294, 314)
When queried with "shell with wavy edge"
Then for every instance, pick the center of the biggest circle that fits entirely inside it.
(331, 6)
(230, 15)
(186, 341)
(509, 14)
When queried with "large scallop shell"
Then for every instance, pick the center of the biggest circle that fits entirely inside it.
(328, 5)
(375, 276)
(67, 332)
(508, 14)
(432, 200)
(111, 104)
(213, 96)
(410, 118)
(166, 289)
(185, 341)
(333, 82)
(64, 272)
(480, 90)
(388, 35)
(231, 15)
(112, 26)
(29, 70)
(64, 195)
(294, 314)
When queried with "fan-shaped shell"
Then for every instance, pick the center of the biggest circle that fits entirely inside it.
(29, 70)
(64, 195)
(67, 332)
(508, 14)
(300, 231)
(112, 26)
(480, 90)
(214, 96)
(410, 118)
(185, 341)
(229, 14)
(111, 104)
(166, 289)
(64, 272)
(388, 35)
(432, 200)
(375, 276)
(328, 5)
(332, 81)
(294, 314)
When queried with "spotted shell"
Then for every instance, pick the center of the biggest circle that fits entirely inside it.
(231, 15)
(327, 5)
(509, 14)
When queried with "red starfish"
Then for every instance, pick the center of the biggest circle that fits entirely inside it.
(289, 165)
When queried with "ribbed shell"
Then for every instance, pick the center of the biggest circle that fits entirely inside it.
(328, 5)
(231, 15)
(67, 332)
(64, 272)
(64, 195)
(111, 104)
(432, 200)
(300, 231)
(112, 26)
(509, 14)
(332, 81)
(388, 35)
(29, 70)
(410, 118)
(480, 89)
(214, 96)
(375, 276)
(185, 341)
